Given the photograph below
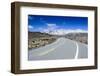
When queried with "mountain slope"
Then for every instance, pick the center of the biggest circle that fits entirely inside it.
(81, 37)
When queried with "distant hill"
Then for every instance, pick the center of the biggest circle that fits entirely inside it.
(81, 37)
(37, 35)
(76, 34)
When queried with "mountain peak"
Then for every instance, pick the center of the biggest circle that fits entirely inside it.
(64, 32)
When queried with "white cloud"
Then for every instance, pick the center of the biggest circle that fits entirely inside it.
(50, 27)
(55, 30)
(30, 27)
(66, 31)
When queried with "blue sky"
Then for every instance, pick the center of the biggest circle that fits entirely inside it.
(43, 23)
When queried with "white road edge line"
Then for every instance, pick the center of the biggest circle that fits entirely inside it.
(77, 50)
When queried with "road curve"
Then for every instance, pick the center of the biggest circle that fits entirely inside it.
(62, 48)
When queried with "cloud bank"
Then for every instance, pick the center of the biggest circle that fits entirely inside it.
(55, 30)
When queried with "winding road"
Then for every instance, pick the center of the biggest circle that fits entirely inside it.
(62, 48)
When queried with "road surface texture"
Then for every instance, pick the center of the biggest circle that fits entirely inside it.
(62, 48)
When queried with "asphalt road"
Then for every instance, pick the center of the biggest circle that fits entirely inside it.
(62, 48)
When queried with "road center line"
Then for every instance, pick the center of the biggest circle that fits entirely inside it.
(77, 50)
(46, 52)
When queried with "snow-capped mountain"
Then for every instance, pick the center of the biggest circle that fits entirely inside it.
(64, 32)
